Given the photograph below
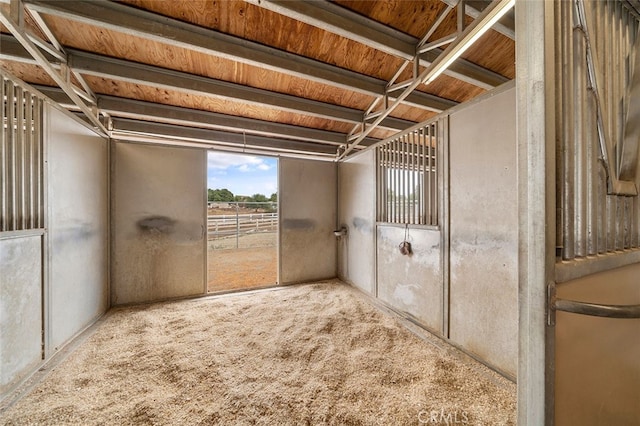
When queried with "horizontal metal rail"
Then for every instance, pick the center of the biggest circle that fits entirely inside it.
(597, 310)
(222, 226)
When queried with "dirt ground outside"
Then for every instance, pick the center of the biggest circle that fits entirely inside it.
(253, 264)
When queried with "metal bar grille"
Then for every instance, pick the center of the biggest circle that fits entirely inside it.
(407, 186)
(594, 73)
(21, 171)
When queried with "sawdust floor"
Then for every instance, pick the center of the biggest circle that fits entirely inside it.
(310, 354)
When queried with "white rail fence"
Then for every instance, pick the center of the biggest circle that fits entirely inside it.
(221, 226)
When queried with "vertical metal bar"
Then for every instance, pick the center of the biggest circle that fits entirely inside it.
(387, 179)
(619, 90)
(411, 194)
(382, 183)
(435, 136)
(568, 160)
(398, 180)
(422, 177)
(602, 207)
(19, 158)
(591, 143)
(558, 51)
(611, 223)
(378, 163)
(414, 174)
(28, 163)
(11, 159)
(4, 144)
(39, 132)
(635, 243)
(418, 187)
(407, 176)
(237, 225)
(619, 222)
(437, 140)
(403, 174)
(387, 182)
(610, 76)
(601, 184)
(614, 108)
(405, 167)
(385, 176)
(579, 124)
(433, 143)
(628, 221)
(394, 179)
(390, 176)
(427, 174)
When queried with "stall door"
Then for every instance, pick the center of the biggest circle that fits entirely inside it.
(308, 206)
(159, 217)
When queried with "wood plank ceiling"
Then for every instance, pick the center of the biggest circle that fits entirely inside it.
(268, 76)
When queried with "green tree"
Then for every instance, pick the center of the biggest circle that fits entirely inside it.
(260, 198)
(220, 195)
(274, 197)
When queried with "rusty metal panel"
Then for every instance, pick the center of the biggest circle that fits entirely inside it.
(484, 231)
(158, 222)
(20, 308)
(597, 359)
(78, 167)
(356, 250)
(411, 284)
(308, 211)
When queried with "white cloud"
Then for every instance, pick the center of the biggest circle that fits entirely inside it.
(242, 174)
(241, 162)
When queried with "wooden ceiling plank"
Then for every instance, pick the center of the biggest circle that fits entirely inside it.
(348, 24)
(21, 36)
(100, 66)
(118, 69)
(166, 30)
(149, 111)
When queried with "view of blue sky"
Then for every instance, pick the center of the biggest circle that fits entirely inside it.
(242, 174)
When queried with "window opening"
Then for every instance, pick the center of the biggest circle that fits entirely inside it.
(408, 179)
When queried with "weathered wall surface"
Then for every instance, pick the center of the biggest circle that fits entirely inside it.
(78, 227)
(20, 308)
(598, 359)
(412, 284)
(356, 251)
(484, 231)
(159, 228)
(308, 209)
